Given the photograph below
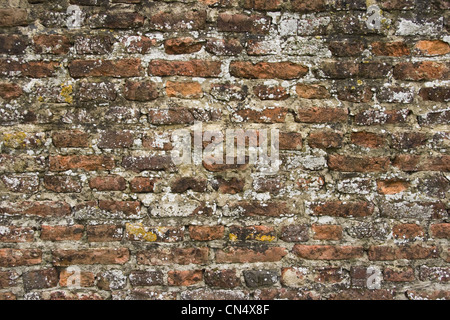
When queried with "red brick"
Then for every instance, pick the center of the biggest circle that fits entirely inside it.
(256, 24)
(170, 256)
(142, 184)
(327, 232)
(391, 49)
(53, 44)
(183, 20)
(223, 47)
(249, 255)
(392, 186)
(312, 91)
(432, 48)
(308, 6)
(37, 208)
(226, 278)
(33, 69)
(264, 92)
(343, 209)
(376, 117)
(62, 233)
(155, 163)
(70, 139)
(140, 91)
(267, 70)
(184, 45)
(105, 68)
(419, 71)
(263, 5)
(407, 231)
(322, 252)
(186, 90)
(129, 208)
(104, 233)
(325, 139)
(13, 234)
(112, 139)
(62, 184)
(19, 257)
(108, 183)
(40, 279)
(399, 274)
(184, 278)
(411, 163)
(268, 115)
(321, 115)
(64, 258)
(290, 141)
(191, 68)
(440, 231)
(87, 163)
(116, 20)
(270, 209)
(10, 91)
(368, 139)
(87, 279)
(357, 164)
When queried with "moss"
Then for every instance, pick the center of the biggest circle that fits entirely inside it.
(66, 93)
(139, 231)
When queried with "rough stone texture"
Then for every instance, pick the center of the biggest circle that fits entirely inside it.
(88, 116)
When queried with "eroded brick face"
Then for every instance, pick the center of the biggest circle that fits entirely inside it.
(89, 109)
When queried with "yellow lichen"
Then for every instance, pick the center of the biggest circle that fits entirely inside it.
(139, 231)
(15, 140)
(233, 237)
(265, 238)
(66, 93)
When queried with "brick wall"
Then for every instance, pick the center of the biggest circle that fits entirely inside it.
(89, 98)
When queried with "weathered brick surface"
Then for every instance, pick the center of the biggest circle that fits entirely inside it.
(89, 117)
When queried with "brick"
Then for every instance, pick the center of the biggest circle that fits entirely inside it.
(252, 233)
(20, 183)
(269, 115)
(228, 92)
(355, 94)
(223, 47)
(432, 48)
(438, 274)
(139, 232)
(434, 118)
(87, 279)
(11, 17)
(62, 233)
(155, 163)
(343, 209)
(207, 294)
(231, 186)
(440, 231)
(184, 90)
(93, 45)
(116, 20)
(62, 184)
(256, 24)
(269, 209)
(284, 294)
(368, 139)
(87, 163)
(312, 91)
(105, 68)
(407, 231)
(191, 68)
(13, 44)
(104, 233)
(390, 49)
(206, 233)
(267, 70)
(260, 278)
(96, 91)
(438, 94)
(116, 139)
(358, 164)
(20, 257)
(40, 279)
(420, 71)
(346, 48)
(140, 91)
(184, 20)
(413, 252)
(138, 44)
(327, 232)
(323, 252)
(321, 115)
(263, 5)
(13, 234)
(70, 139)
(412, 163)
(142, 184)
(184, 45)
(64, 258)
(376, 117)
(363, 295)
(225, 279)
(129, 208)
(250, 255)
(170, 256)
(37, 208)
(270, 93)
(290, 141)
(184, 278)
(51, 44)
(108, 183)
(295, 233)
(143, 278)
(344, 70)
(33, 69)
(325, 139)
(111, 280)
(8, 279)
(392, 186)
(399, 275)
